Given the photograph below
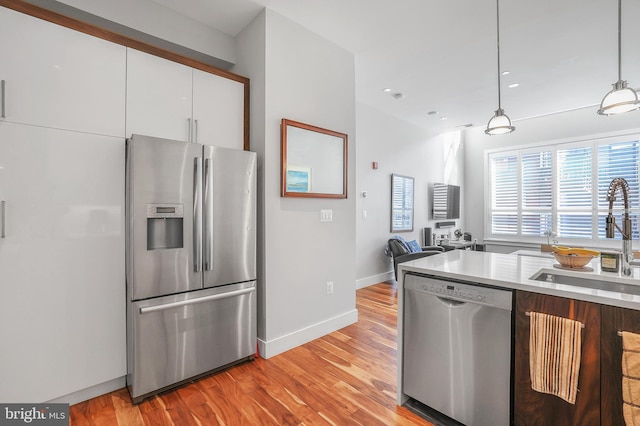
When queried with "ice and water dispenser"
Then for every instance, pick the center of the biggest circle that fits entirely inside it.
(164, 226)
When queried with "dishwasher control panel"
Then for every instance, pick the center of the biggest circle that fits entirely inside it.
(464, 292)
(453, 290)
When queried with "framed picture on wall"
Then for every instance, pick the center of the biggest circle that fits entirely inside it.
(298, 179)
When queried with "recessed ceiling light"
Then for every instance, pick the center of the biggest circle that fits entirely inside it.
(443, 118)
(399, 95)
(506, 72)
(386, 90)
(512, 85)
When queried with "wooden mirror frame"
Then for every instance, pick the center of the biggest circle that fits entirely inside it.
(305, 169)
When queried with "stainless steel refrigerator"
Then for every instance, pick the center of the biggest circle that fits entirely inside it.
(191, 261)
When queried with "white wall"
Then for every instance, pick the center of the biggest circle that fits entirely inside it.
(150, 18)
(251, 62)
(398, 147)
(560, 127)
(305, 78)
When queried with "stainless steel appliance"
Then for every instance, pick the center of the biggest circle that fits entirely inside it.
(191, 261)
(457, 349)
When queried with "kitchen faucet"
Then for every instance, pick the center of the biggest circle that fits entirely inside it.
(627, 253)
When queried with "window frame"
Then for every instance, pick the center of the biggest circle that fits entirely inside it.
(593, 143)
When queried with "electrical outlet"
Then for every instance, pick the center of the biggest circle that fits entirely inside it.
(330, 287)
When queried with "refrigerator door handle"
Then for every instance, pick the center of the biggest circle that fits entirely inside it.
(148, 309)
(208, 215)
(197, 215)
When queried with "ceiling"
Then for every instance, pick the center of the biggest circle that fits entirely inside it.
(441, 55)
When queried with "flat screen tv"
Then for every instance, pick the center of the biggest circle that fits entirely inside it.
(446, 201)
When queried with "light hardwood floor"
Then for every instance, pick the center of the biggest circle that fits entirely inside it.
(345, 378)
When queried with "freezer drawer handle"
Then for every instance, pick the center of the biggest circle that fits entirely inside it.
(3, 211)
(235, 293)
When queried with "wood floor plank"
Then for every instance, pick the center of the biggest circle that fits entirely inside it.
(179, 413)
(197, 403)
(226, 398)
(345, 378)
(126, 414)
(98, 411)
(381, 363)
(295, 396)
(153, 412)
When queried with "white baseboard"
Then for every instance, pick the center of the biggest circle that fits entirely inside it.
(374, 279)
(270, 348)
(92, 392)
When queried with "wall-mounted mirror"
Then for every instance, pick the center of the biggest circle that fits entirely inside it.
(401, 203)
(313, 161)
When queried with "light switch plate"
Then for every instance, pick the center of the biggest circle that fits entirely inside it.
(326, 215)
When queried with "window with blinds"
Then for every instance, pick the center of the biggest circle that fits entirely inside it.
(561, 189)
(401, 203)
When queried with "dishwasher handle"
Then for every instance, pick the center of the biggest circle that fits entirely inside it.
(450, 302)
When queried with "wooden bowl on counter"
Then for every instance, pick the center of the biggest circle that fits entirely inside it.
(573, 260)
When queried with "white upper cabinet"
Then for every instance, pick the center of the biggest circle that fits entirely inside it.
(218, 110)
(60, 78)
(158, 97)
(169, 100)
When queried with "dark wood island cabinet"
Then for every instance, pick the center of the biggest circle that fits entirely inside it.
(614, 320)
(535, 408)
(599, 400)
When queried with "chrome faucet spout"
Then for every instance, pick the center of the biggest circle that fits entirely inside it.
(626, 222)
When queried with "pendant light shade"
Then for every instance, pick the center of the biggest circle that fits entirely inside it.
(621, 98)
(500, 123)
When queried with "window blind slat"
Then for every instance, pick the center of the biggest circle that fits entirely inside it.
(537, 176)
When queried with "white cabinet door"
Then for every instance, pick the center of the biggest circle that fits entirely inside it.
(158, 97)
(62, 277)
(218, 107)
(60, 78)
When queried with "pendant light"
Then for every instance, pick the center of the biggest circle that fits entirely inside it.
(500, 122)
(621, 98)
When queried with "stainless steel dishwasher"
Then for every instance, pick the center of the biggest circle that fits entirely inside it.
(457, 349)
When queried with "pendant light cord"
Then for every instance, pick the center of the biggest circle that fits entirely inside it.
(498, 45)
(619, 40)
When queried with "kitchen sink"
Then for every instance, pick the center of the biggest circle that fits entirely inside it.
(586, 281)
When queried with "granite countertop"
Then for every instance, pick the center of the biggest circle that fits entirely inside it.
(515, 271)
